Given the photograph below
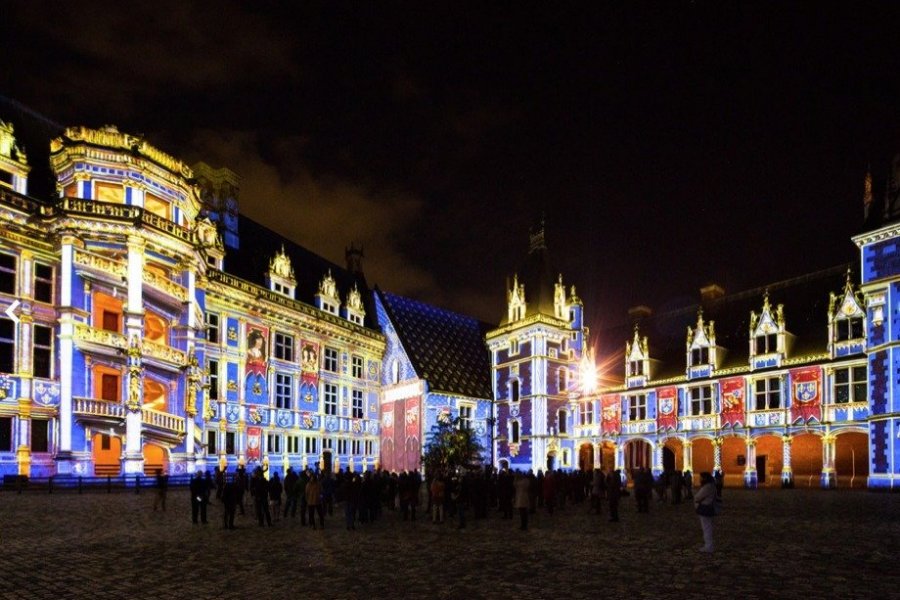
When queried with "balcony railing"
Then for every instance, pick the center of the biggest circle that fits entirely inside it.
(163, 352)
(162, 420)
(97, 408)
(86, 333)
(167, 286)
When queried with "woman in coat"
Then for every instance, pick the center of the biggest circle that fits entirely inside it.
(313, 493)
(704, 502)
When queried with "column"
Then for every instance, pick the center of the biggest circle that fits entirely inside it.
(658, 457)
(717, 455)
(750, 476)
(223, 460)
(787, 474)
(65, 464)
(595, 446)
(23, 451)
(687, 455)
(134, 330)
(829, 476)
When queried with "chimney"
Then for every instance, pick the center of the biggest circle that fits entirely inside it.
(711, 293)
(354, 256)
(639, 313)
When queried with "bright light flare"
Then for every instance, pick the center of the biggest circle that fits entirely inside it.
(588, 372)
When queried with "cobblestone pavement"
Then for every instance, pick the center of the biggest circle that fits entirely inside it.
(788, 544)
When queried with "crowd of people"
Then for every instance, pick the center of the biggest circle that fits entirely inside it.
(444, 497)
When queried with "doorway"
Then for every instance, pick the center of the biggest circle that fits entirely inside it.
(761, 469)
(668, 459)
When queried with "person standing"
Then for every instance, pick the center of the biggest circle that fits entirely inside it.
(351, 500)
(643, 487)
(162, 488)
(259, 491)
(437, 499)
(613, 492)
(704, 503)
(313, 501)
(198, 490)
(275, 489)
(290, 498)
(522, 486)
(229, 504)
(688, 485)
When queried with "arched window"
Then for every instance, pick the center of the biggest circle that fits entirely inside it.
(395, 371)
(515, 432)
(514, 390)
(562, 379)
(561, 422)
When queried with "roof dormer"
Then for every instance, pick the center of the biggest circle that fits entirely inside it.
(327, 299)
(703, 356)
(846, 322)
(14, 167)
(637, 361)
(280, 276)
(515, 299)
(768, 336)
(354, 311)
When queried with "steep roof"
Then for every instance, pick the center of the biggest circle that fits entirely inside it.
(259, 244)
(805, 301)
(446, 349)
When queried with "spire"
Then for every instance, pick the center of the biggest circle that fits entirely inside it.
(867, 193)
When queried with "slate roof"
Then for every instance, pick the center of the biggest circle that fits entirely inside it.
(446, 349)
(805, 301)
(259, 244)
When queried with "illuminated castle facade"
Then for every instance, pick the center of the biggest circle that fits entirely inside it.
(128, 342)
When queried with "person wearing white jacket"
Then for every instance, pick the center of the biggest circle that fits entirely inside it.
(704, 502)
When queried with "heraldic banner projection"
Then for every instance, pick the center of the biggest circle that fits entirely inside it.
(256, 388)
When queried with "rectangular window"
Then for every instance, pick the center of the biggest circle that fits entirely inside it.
(284, 347)
(370, 447)
(105, 442)
(513, 347)
(43, 283)
(109, 387)
(293, 444)
(701, 401)
(635, 367)
(327, 444)
(561, 422)
(273, 443)
(312, 445)
(331, 399)
(283, 387)
(229, 442)
(850, 385)
(357, 367)
(42, 351)
(40, 435)
(7, 346)
(213, 367)
(212, 328)
(6, 437)
(110, 320)
(331, 360)
(637, 407)
(767, 344)
(465, 416)
(342, 446)
(211, 437)
(848, 329)
(768, 393)
(699, 356)
(357, 404)
(587, 413)
(356, 447)
(7, 274)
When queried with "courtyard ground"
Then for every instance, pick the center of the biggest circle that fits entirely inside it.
(788, 544)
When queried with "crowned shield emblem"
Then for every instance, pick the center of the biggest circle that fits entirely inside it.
(666, 406)
(806, 391)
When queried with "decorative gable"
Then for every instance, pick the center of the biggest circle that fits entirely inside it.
(13, 161)
(327, 299)
(702, 353)
(768, 337)
(637, 361)
(353, 309)
(846, 322)
(515, 299)
(280, 276)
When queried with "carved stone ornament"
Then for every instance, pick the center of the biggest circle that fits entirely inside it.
(280, 265)
(207, 235)
(328, 288)
(354, 300)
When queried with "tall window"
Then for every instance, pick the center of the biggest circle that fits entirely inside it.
(356, 447)
(331, 360)
(40, 435)
(514, 390)
(587, 412)
(211, 445)
(850, 384)
(284, 384)
(848, 329)
(513, 347)
(284, 347)
(395, 371)
(43, 283)
(212, 328)
(699, 356)
(109, 387)
(7, 345)
(342, 446)
(6, 437)
(273, 441)
(767, 344)
(768, 393)
(42, 351)
(213, 367)
(637, 407)
(701, 401)
(370, 447)
(7, 274)
(311, 445)
(229, 442)
(357, 405)
(293, 444)
(561, 422)
(357, 367)
(562, 379)
(514, 434)
(465, 416)
(331, 399)
(635, 367)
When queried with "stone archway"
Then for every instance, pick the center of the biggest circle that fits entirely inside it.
(851, 460)
(106, 454)
(155, 457)
(607, 456)
(806, 460)
(638, 454)
(734, 460)
(586, 457)
(769, 460)
(702, 458)
(673, 460)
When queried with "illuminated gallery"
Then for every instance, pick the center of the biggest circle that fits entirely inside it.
(146, 324)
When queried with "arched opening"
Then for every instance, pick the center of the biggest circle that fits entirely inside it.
(154, 458)
(514, 390)
(769, 461)
(154, 394)
(702, 458)
(586, 457)
(551, 461)
(669, 462)
(673, 460)
(806, 460)
(734, 461)
(638, 454)
(155, 328)
(851, 460)
(106, 452)
(327, 464)
(561, 424)
(504, 464)
(514, 432)
(607, 456)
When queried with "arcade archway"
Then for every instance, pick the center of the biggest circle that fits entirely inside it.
(106, 452)
(851, 460)
(806, 460)
(638, 454)
(154, 458)
(586, 457)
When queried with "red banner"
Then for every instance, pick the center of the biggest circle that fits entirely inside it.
(309, 361)
(806, 394)
(667, 413)
(611, 413)
(733, 392)
(254, 439)
(412, 417)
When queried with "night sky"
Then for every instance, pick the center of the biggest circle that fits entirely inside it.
(669, 147)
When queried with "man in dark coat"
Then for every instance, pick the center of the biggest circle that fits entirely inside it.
(613, 492)
(290, 504)
(260, 492)
(199, 496)
(229, 504)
